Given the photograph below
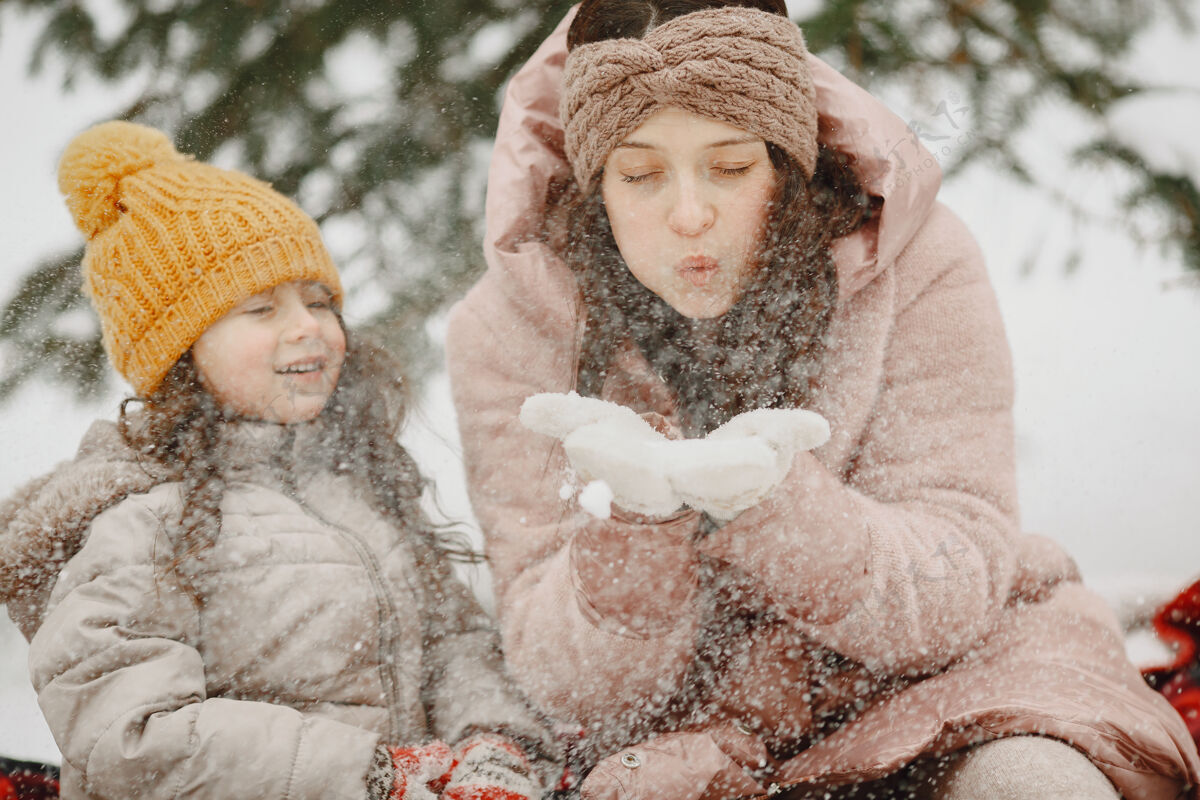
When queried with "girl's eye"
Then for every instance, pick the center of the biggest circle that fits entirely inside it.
(319, 304)
(638, 178)
(259, 310)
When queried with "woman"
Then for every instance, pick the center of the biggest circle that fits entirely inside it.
(727, 224)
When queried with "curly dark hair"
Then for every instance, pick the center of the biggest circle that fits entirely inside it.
(765, 352)
(178, 428)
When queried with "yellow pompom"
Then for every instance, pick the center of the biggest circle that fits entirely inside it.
(96, 161)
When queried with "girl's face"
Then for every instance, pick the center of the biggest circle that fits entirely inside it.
(688, 197)
(275, 356)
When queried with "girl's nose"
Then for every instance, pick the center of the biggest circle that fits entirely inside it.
(691, 213)
(300, 322)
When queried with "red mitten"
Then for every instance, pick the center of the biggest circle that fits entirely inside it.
(420, 772)
(492, 767)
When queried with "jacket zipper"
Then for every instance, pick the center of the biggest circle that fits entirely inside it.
(387, 615)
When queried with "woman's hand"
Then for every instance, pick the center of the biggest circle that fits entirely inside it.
(746, 458)
(730, 470)
(611, 443)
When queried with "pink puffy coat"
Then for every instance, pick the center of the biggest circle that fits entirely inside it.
(880, 605)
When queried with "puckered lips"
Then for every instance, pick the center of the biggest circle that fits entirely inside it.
(697, 270)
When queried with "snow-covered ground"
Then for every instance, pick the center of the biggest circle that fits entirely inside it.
(1107, 377)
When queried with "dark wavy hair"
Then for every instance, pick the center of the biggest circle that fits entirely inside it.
(178, 429)
(765, 352)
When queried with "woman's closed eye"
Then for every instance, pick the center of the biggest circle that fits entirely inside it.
(638, 176)
(732, 170)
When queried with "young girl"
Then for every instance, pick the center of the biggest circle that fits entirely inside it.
(247, 600)
(722, 231)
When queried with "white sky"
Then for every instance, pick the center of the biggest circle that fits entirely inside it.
(1108, 377)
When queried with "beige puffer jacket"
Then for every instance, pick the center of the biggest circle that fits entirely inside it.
(322, 633)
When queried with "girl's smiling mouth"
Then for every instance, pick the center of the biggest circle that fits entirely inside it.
(303, 367)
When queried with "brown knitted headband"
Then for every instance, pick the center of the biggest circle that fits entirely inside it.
(742, 66)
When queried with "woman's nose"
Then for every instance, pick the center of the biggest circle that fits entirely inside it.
(691, 213)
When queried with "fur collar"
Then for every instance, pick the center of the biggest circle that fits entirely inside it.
(44, 523)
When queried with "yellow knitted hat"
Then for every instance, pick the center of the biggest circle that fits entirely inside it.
(174, 244)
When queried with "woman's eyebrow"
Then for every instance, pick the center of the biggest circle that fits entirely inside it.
(747, 139)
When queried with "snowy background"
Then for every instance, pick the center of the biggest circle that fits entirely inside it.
(1107, 376)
